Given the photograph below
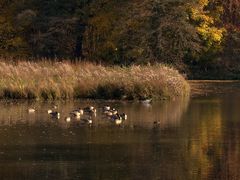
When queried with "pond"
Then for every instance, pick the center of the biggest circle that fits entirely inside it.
(194, 138)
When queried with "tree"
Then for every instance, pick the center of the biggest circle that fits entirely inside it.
(205, 23)
(146, 31)
(52, 29)
(231, 13)
(11, 42)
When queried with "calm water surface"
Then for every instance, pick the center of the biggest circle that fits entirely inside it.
(197, 138)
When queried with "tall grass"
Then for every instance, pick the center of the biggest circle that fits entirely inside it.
(63, 80)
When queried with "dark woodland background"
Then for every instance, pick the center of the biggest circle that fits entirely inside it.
(201, 38)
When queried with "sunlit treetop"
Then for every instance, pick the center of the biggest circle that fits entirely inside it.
(205, 22)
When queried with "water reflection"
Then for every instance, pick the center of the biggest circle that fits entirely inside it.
(35, 146)
(205, 139)
(168, 113)
(196, 139)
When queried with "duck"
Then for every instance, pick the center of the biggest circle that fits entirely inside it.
(67, 119)
(55, 114)
(31, 110)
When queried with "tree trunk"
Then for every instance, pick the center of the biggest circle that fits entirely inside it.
(79, 54)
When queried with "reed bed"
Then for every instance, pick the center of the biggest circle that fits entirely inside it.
(64, 80)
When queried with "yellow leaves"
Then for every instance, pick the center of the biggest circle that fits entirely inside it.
(198, 14)
(194, 13)
(203, 3)
(205, 23)
(217, 34)
(202, 18)
(211, 33)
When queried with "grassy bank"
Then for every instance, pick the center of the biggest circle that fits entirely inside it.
(45, 80)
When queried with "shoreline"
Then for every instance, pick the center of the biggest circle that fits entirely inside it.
(213, 87)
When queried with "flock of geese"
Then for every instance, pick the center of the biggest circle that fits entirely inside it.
(86, 114)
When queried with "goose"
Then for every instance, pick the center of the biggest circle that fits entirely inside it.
(55, 114)
(124, 116)
(79, 110)
(111, 112)
(90, 109)
(114, 111)
(108, 113)
(156, 123)
(106, 108)
(49, 111)
(117, 119)
(146, 101)
(94, 113)
(31, 110)
(67, 119)
(76, 114)
(89, 120)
